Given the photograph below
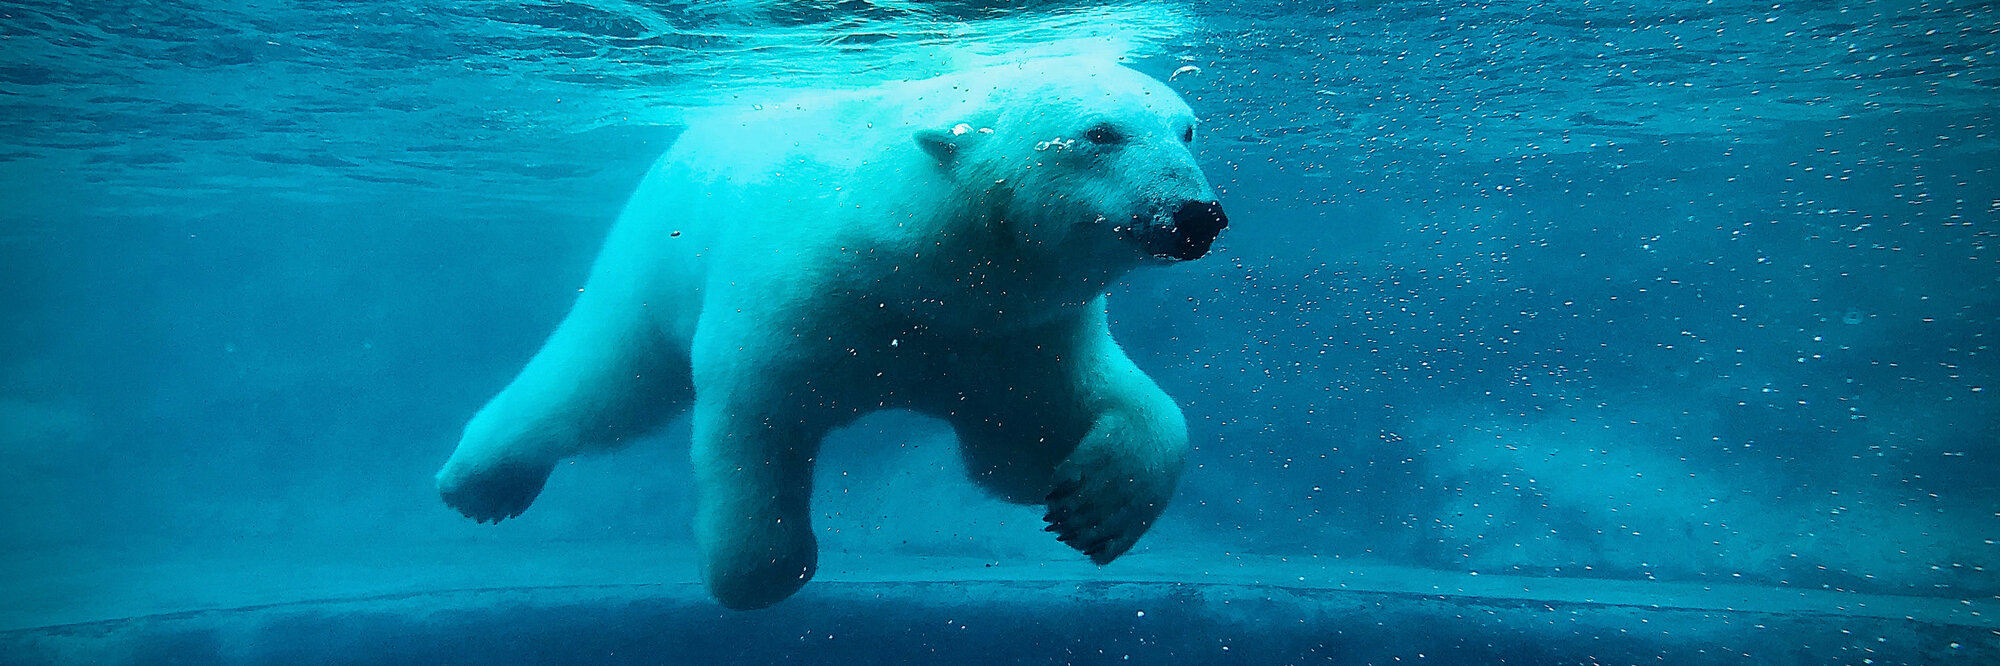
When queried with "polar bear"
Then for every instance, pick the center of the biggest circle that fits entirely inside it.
(941, 245)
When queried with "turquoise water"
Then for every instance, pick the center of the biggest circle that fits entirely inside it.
(1582, 296)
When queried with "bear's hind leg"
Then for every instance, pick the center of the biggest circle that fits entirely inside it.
(605, 377)
(753, 519)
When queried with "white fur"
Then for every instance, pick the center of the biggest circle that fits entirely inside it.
(939, 245)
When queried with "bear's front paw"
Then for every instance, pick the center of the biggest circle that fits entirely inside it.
(1101, 513)
(494, 491)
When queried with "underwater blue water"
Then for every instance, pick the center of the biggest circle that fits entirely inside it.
(1697, 293)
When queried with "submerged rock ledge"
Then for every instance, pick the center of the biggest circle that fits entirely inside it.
(1048, 613)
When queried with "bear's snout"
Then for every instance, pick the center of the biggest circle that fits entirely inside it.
(1196, 224)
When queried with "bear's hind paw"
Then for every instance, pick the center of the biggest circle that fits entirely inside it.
(492, 493)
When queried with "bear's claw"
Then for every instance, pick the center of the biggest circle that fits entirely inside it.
(492, 493)
(1098, 531)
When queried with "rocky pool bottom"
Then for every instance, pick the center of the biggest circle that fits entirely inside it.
(600, 604)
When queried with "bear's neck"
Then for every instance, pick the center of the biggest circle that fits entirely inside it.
(974, 272)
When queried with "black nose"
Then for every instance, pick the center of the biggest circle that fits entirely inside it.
(1196, 224)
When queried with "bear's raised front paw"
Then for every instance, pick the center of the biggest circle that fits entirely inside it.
(492, 492)
(1102, 515)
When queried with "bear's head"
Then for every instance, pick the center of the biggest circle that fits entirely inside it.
(1080, 161)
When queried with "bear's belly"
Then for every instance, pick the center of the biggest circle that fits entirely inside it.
(905, 365)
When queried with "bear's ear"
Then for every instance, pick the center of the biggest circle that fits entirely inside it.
(944, 145)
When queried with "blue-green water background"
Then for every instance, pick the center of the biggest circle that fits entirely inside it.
(1699, 291)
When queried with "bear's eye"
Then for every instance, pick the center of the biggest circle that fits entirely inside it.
(1187, 135)
(1104, 135)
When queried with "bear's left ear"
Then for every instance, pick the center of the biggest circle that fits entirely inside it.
(944, 145)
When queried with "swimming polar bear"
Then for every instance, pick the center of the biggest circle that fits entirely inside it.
(941, 245)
